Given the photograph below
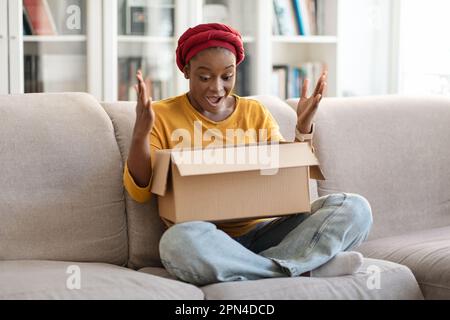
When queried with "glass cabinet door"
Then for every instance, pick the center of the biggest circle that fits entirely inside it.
(146, 41)
(54, 46)
(4, 50)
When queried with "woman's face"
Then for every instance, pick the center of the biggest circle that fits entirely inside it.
(212, 75)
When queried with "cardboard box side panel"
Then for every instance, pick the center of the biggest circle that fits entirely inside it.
(234, 196)
(166, 204)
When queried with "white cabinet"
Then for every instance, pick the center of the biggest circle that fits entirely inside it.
(11, 47)
(4, 48)
(53, 46)
(141, 34)
(116, 37)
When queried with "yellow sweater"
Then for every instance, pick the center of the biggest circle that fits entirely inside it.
(178, 113)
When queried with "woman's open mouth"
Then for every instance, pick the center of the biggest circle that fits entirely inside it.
(214, 101)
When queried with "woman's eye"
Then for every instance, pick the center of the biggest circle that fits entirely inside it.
(204, 78)
(227, 78)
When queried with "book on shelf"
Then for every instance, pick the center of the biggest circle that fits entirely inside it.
(39, 17)
(311, 7)
(279, 81)
(142, 17)
(26, 26)
(320, 16)
(285, 17)
(297, 17)
(32, 75)
(301, 17)
(287, 80)
(243, 77)
(275, 24)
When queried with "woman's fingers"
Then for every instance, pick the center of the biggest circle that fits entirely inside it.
(139, 75)
(144, 106)
(142, 92)
(148, 106)
(319, 84)
(305, 88)
(323, 86)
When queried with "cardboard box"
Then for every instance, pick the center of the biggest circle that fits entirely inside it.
(218, 184)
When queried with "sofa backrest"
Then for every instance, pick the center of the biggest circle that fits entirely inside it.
(61, 194)
(144, 225)
(393, 150)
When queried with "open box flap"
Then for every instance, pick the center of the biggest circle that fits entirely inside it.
(269, 156)
(160, 172)
(316, 173)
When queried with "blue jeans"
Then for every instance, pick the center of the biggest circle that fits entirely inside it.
(199, 253)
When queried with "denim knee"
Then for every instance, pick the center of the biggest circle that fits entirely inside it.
(180, 251)
(180, 240)
(361, 214)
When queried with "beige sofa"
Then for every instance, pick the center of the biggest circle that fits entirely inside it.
(69, 231)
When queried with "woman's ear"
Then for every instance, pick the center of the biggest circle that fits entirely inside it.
(186, 71)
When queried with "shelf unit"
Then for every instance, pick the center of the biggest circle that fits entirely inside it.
(104, 43)
(85, 48)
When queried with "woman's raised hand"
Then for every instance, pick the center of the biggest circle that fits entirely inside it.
(307, 107)
(145, 116)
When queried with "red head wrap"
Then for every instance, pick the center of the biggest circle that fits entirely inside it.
(206, 36)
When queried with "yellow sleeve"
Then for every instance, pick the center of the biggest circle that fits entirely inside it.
(141, 194)
(137, 193)
(273, 129)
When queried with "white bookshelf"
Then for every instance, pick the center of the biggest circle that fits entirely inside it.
(324, 48)
(104, 43)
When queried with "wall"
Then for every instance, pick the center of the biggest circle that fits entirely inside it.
(366, 31)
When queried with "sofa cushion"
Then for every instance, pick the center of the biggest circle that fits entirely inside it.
(426, 253)
(42, 280)
(376, 280)
(61, 191)
(394, 151)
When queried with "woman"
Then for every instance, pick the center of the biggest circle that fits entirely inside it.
(309, 244)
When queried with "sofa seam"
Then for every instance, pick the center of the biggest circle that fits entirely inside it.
(433, 285)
